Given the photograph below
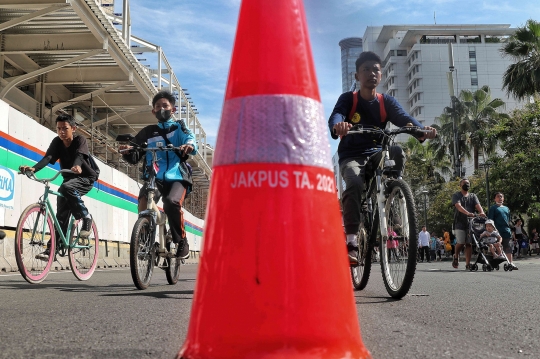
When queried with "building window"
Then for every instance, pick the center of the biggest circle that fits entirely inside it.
(402, 52)
(474, 81)
(473, 67)
(472, 52)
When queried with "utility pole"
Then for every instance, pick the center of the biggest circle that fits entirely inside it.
(425, 208)
(450, 78)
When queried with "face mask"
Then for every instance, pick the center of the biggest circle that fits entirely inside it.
(466, 187)
(163, 115)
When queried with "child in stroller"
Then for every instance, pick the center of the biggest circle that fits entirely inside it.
(477, 227)
(493, 239)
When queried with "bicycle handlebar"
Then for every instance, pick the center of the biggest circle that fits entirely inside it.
(411, 130)
(146, 149)
(32, 176)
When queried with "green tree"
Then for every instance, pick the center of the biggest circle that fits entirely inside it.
(516, 171)
(522, 79)
(423, 168)
(474, 113)
(424, 172)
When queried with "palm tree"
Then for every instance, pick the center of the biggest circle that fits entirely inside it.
(482, 113)
(423, 167)
(522, 79)
(474, 113)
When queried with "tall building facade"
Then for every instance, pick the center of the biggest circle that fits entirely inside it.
(416, 61)
(351, 48)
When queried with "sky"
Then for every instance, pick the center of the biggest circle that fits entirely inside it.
(197, 36)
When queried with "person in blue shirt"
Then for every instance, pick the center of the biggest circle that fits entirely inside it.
(356, 151)
(500, 214)
(174, 191)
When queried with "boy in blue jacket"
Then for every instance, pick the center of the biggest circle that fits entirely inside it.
(173, 190)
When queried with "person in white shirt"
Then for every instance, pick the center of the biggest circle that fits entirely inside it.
(423, 244)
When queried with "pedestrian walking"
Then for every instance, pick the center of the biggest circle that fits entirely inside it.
(423, 244)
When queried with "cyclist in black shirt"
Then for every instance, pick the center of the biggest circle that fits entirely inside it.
(71, 151)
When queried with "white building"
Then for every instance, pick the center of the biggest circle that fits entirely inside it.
(416, 65)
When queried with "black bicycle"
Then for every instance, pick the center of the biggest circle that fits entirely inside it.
(145, 253)
(387, 203)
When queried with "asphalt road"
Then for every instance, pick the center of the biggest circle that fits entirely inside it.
(448, 314)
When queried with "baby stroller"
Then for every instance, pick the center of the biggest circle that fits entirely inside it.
(477, 225)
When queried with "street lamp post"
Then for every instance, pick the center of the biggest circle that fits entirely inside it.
(425, 207)
(486, 166)
(450, 78)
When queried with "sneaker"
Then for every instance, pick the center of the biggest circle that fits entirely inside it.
(183, 249)
(353, 253)
(514, 267)
(501, 257)
(86, 227)
(44, 256)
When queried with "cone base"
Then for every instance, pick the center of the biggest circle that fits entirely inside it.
(274, 278)
(188, 353)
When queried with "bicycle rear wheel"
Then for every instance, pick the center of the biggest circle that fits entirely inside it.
(398, 267)
(360, 273)
(33, 233)
(142, 253)
(83, 261)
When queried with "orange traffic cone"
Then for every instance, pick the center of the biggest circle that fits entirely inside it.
(273, 278)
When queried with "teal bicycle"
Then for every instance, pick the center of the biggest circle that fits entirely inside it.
(36, 227)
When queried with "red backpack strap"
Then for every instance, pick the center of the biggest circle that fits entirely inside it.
(354, 104)
(380, 97)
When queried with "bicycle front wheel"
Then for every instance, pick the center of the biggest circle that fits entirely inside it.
(142, 253)
(83, 252)
(33, 233)
(398, 260)
(360, 273)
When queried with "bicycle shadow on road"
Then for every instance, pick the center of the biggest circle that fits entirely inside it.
(67, 287)
(373, 299)
(157, 295)
(113, 290)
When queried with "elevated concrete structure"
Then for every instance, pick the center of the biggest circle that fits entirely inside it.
(69, 55)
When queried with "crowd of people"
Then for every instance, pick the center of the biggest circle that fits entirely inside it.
(501, 233)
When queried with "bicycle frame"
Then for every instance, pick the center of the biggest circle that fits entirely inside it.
(157, 217)
(152, 211)
(382, 172)
(46, 203)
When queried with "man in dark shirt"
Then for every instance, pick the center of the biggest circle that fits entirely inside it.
(465, 204)
(356, 151)
(71, 151)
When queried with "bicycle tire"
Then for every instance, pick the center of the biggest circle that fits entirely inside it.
(142, 253)
(172, 272)
(398, 273)
(32, 269)
(360, 273)
(83, 261)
